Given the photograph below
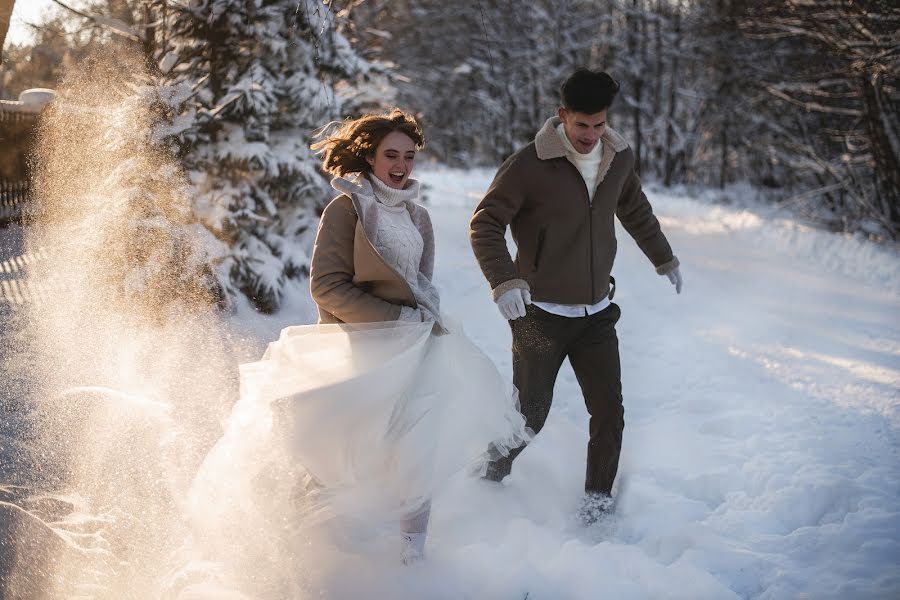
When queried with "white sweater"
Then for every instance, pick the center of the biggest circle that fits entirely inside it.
(587, 164)
(399, 242)
(396, 237)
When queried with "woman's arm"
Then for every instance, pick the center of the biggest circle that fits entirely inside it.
(426, 264)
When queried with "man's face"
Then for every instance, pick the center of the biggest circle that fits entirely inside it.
(583, 130)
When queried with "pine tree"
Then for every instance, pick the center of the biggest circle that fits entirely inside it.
(249, 81)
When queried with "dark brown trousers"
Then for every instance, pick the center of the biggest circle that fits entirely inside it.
(541, 341)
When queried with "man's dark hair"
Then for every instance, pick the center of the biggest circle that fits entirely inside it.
(588, 92)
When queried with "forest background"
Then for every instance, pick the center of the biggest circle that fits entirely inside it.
(797, 99)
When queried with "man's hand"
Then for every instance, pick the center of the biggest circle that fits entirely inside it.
(512, 303)
(675, 277)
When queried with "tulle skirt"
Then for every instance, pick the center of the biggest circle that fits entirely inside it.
(362, 420)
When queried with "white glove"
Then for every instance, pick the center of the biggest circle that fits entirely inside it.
(675, 277)
(512, 303)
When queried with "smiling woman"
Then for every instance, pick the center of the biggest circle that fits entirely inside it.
(385, 399)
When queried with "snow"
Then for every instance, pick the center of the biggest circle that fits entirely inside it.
(760, 458)
(762, 410)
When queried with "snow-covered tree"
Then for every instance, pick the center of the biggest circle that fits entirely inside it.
(250, 81)
(483, 74)
(834, 68)
(110, 200)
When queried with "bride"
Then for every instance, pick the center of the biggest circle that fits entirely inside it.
(385, 398)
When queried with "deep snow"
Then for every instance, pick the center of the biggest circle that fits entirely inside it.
(762, 410)
(760, 457)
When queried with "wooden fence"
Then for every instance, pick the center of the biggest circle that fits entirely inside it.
(18, 121)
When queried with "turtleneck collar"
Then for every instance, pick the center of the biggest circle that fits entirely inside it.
(593, 156)
(362, 185)
(390, 196)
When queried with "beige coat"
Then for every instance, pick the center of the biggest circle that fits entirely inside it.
(566, 241)
(349, 280)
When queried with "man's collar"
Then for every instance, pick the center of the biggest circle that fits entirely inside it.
(548, 145)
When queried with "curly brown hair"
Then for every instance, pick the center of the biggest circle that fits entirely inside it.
(345, 150)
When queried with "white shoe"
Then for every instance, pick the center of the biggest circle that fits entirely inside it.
(412, 548)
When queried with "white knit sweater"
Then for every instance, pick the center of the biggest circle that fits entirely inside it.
(399, 242)
(396, 237)
(587, 164)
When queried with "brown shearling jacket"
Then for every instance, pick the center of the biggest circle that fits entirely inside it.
(349, 280)
(566, 241)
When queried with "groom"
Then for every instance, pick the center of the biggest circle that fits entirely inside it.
(559, 195)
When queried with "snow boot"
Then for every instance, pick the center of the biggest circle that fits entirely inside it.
(412, 548)
(594, 507)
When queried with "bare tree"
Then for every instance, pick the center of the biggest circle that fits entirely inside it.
(670, 154)
(842, 82)
(483, 74)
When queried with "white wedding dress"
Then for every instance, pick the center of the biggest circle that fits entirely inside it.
(340, 433)
(362, 421)
(365, 422)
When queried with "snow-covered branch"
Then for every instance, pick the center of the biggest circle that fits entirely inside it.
(115, 26)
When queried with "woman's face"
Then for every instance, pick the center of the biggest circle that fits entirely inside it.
(393, 159)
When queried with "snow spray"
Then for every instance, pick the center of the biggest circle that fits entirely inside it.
(132, 369)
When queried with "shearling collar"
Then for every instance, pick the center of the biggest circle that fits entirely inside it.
(548, 145)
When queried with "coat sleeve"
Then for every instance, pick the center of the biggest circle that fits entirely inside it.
(487, 229)
(426, 264)
(427, 296)
(636, 215)
(331, 270)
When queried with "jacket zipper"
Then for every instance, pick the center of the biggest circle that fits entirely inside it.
(590, 215)
(591, 232)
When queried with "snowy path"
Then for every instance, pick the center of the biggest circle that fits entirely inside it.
(761, 443)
